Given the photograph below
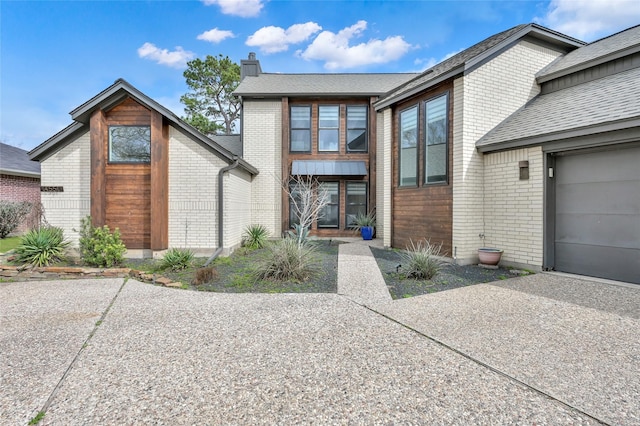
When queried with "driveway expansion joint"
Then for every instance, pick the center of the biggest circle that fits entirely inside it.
(84, 345)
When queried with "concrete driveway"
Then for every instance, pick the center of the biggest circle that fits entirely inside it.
(532, 350)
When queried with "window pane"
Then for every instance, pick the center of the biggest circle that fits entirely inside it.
(300, 140)
(328, 140)
(436, 140)
(331, 213)
(329, 116)
(356, 200)
(293, 218)
(409, 147)
(356, 128)
(301, 117)
(130, 144)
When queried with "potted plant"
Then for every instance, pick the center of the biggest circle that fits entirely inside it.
(489, 256)
(365, 222)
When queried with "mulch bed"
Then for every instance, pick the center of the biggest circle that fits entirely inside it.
(450, 276)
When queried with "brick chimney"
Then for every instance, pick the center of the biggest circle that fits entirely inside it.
(250, 67)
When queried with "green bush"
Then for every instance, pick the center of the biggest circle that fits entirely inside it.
(99, 247)
(287, 261)
(422, 260)
(176, 259)
(11, 215)
(255, 236)
(41, 246)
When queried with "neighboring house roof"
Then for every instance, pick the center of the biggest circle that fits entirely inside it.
(271, 85)
(232, 143)
(605, 104)
(474, 56)
(15, 161)
(111, 97)
(604, 50)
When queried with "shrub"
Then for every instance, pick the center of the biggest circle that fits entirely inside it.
(288, 261)
(255, 236)
(204, 275)
(421, 261)
(177, 259)
(41, 246)
(11, 215)
(299, 233)
(99, 247)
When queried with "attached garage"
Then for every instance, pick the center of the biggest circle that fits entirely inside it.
(596, 220)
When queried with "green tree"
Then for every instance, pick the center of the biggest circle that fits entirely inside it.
(210, 105)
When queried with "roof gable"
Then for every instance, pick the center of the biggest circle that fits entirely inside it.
(113, 96)
(473, 56)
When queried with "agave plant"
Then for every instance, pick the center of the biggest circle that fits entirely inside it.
(42, 246)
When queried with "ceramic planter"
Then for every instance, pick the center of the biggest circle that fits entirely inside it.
(489, 256)
(367, 232)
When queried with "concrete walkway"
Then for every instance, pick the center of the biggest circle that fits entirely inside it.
(541, 349)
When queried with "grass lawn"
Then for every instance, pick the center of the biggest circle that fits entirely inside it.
(9, 243)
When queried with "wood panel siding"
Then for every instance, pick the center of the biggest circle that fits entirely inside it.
(159, 183)
(342, 155)
(99, 140)
(423, 211)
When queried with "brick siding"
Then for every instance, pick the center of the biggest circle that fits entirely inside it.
(21, 188)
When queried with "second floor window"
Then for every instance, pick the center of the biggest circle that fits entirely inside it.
(300, 128)
(356, 128)
(329, 128)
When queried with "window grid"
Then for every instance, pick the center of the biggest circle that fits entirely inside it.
(328, 128)
(355, 201)
(408, 147)
(357, 128)
(436, 132)
(300, 121)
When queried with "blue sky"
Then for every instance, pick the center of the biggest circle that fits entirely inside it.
(55, 55)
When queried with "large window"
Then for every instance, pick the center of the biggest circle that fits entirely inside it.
(300, 128)
(435, 152)
(330, 216)
(328, 128)
(409, 147)
(129, 144)
(356, 201)
(356, 128)
(294, 199)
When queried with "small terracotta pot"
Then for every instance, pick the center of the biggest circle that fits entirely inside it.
(489, 256)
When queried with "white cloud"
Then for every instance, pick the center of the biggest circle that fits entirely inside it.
(335, 50)
(276, 39)
(215, 35)
(243, 8)
(177, 59)
(591, 19)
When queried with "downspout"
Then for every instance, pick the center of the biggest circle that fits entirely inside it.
(236, 163)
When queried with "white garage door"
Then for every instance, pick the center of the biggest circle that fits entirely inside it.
(597, 214)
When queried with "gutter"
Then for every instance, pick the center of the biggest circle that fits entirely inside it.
(221, 173)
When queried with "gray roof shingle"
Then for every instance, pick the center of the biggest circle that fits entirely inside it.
(612, 99)
(231, 143)
(586, 55)
(14, 160)
(321, 84)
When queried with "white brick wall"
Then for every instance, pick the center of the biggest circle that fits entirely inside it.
(513, 208)
(237, 206)
(193, 193)
(383, 176)
(70, 167)
(262, 144)
(482, 100)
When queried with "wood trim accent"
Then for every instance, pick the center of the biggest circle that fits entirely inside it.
(159, 183)
(98, 136)
(284, 198)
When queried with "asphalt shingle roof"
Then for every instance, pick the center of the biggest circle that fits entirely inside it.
(321, 84)
(605, 100)
(231, 143)
(13, 159)
(591, 52)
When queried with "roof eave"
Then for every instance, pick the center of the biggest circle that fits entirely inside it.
(21, 173)
(559, 135)
(589, 64)
(37, 153)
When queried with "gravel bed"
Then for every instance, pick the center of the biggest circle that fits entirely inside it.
(450, 276)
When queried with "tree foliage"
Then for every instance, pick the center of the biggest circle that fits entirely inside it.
(210, 105)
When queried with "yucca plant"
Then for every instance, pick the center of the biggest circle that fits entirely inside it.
(42, 246)
(255, 236)
(177, 259)
(422, 260)
(287, 261)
